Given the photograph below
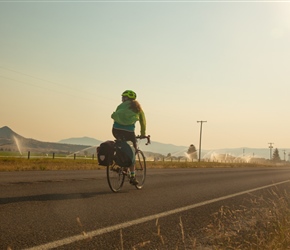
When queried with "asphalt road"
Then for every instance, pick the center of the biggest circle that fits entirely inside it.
(77, 210)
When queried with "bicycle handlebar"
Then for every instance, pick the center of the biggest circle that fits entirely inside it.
(143, 137)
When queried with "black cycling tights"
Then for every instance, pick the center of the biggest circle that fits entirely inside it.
(125, 135)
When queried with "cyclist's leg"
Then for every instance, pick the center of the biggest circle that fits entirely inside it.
(125, 135)
(133, 180)
(118, 134)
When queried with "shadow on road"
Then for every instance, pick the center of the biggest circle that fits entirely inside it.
(50, 197)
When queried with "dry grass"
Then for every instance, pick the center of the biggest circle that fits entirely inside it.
(12, 163)
(147, 244)
(24, 164)
(45, 163)
(188, 164)
(264, 224)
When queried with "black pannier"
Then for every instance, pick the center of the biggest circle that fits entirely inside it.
(124, 155)
(105, 153)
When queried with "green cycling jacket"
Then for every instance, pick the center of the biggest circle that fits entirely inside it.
(126, 116)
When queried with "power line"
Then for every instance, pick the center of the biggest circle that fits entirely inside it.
(41, 79)
(38, 86)
(51, 82)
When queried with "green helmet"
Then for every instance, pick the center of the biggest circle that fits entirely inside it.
(130, 94)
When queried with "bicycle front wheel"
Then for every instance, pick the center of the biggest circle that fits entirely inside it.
(115, 177)
(140, 169)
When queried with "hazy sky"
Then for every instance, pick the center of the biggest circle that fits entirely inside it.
(64, 65)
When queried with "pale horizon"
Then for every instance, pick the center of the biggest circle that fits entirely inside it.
(64, 65)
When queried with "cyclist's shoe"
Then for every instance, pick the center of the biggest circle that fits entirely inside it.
(125, 171)
(116, 169)
(133, 181)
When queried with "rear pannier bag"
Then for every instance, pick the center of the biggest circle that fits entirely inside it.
(105, 153)
(124, 156)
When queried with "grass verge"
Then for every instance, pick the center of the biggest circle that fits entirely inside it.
(23, 164)
(9, 163)
(264, 224)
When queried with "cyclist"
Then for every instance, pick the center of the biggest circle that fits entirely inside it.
(125, 117)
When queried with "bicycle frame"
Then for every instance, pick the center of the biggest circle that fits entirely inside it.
(116, 174)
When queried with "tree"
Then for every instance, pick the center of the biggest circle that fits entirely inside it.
(276, 156)
(191, 149)
(192, 152)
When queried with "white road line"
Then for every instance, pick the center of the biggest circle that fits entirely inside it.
(94, 233)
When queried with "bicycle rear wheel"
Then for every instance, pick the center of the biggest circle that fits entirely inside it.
(140, 169)
(115, 177)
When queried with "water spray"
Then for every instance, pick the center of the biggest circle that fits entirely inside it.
(17, 144)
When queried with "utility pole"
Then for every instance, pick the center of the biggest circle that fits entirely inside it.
(270, 147)
(201, 122)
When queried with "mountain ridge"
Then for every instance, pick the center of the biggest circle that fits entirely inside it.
(11, 141)
(8, 140)
(173, 150)
(154, 147)
(81, 141)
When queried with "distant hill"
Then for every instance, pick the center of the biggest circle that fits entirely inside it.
(11, 141)
(248, 152)
(164, 149)
(154, 147)
(7, 133)
(81, 141)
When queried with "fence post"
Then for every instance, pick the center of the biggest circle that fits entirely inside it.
(93, 156)
(28, 157)
(52, 155)
(74, 156)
